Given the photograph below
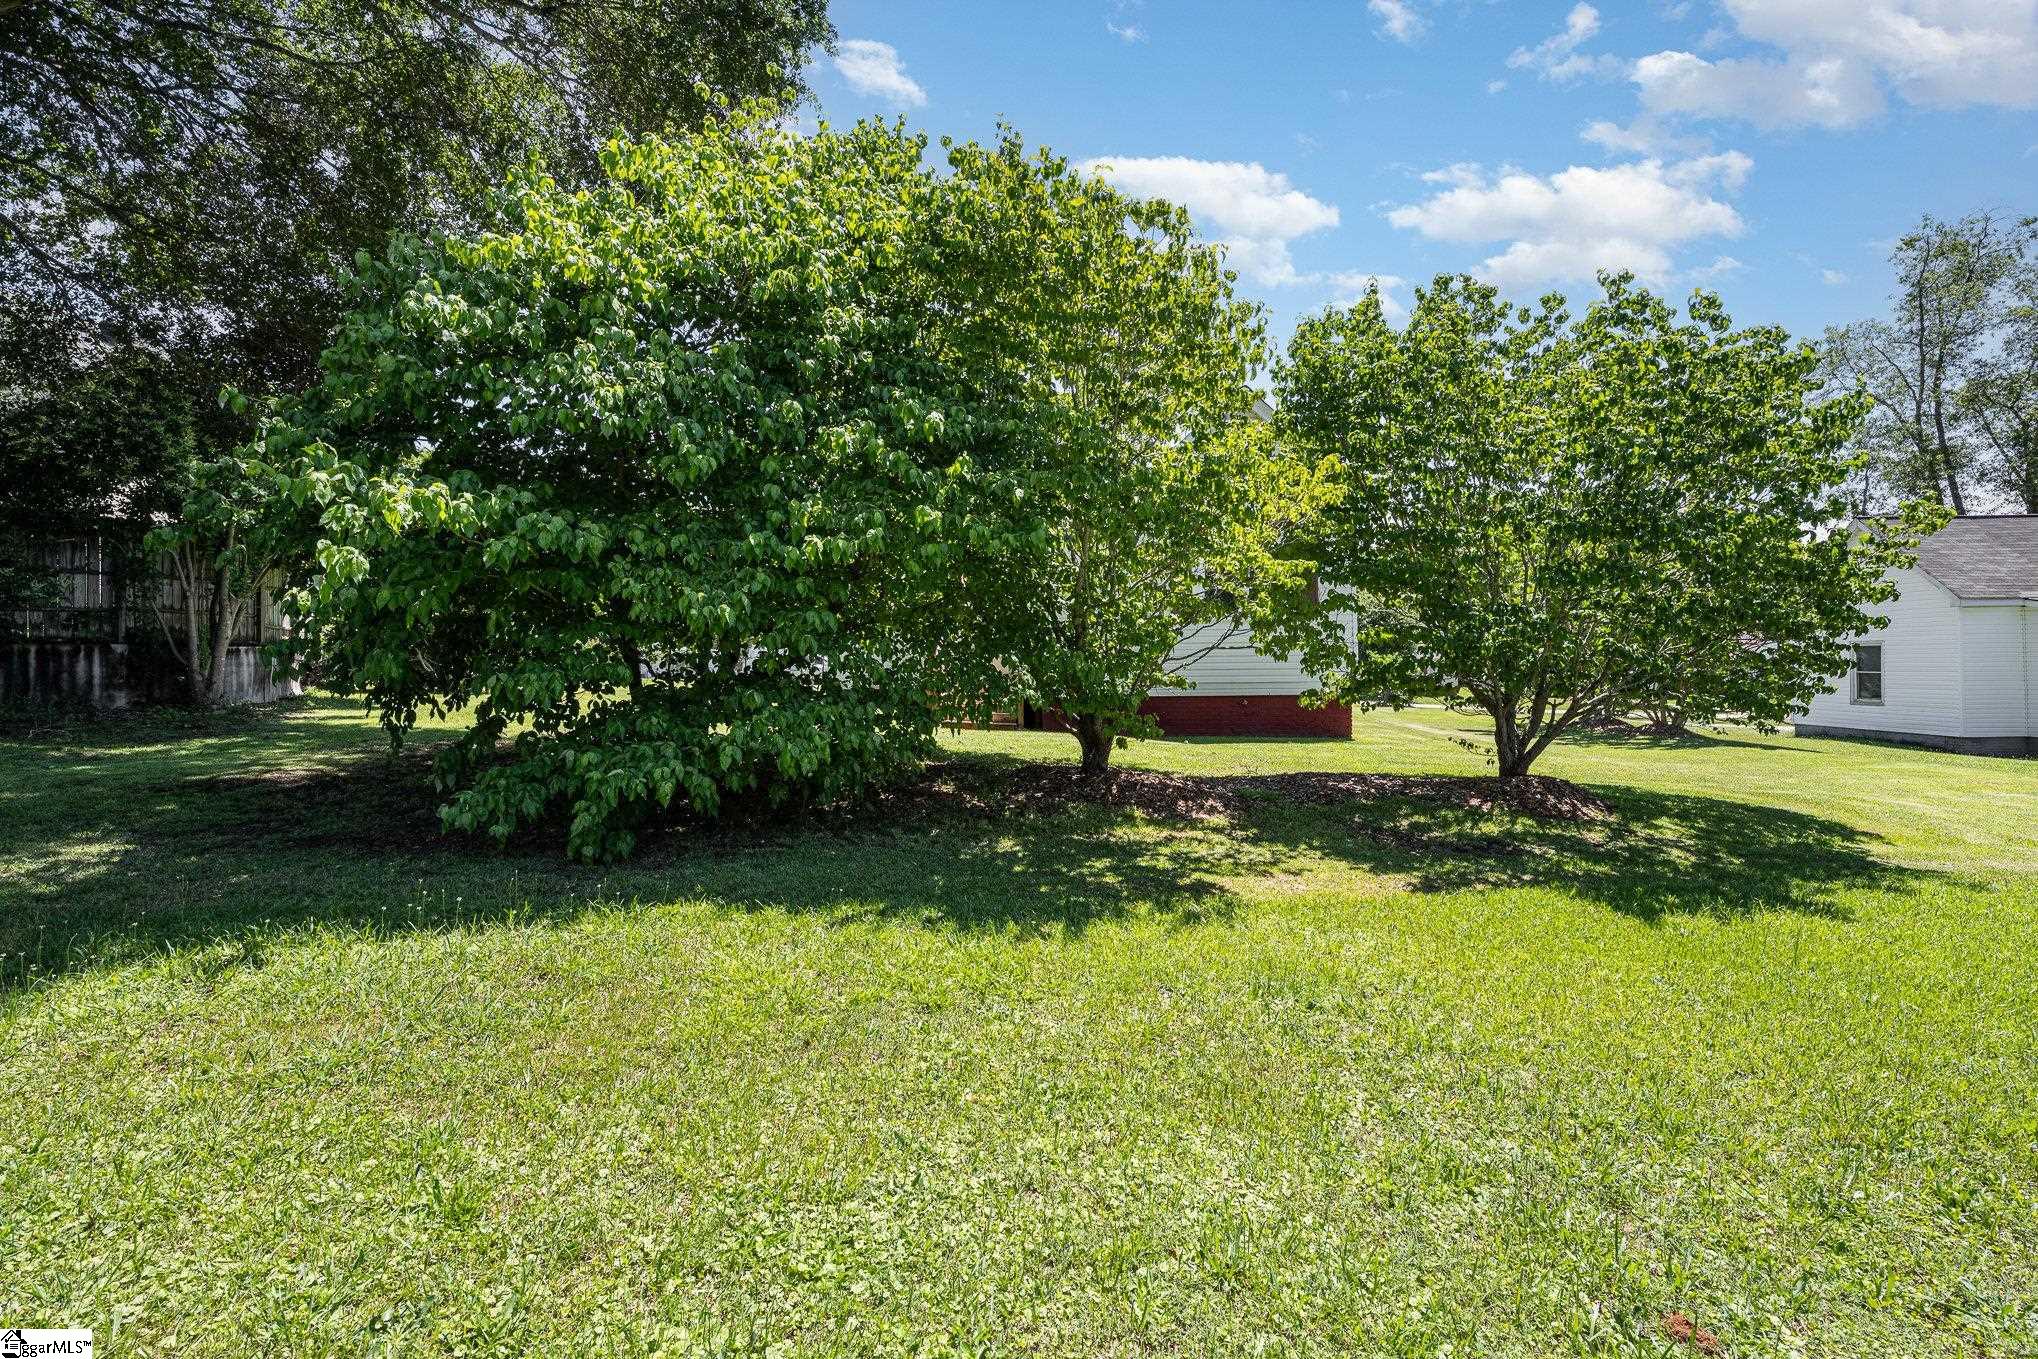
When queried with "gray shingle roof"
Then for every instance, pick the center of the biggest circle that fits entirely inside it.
(1984, 556)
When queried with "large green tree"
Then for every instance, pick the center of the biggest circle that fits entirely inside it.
(691, 481)
(183, 182)
(1563, 519)
(1139, 360)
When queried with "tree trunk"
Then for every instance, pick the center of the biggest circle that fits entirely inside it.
(1509, 749)
(222, 622)
(194, 676)
(1095, 738)
(1671, 720)
(634, 659)
(1945, 447)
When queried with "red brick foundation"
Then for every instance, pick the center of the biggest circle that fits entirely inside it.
(1226, 715)
(1246, 715)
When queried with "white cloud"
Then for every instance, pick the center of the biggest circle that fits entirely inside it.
(1827, 92)
(1634, 139)
(1721, 267)
(1255, 211)
(1835, 60)
(1730, 168)
(1460, 174)
(1125, 32)
(1645, 136)
(1349, 287)
(1571, 224)
(1495, 86)
(874, 68)
(1833, 277)
(1946, 52)
(1557, 57)
(1398, 19)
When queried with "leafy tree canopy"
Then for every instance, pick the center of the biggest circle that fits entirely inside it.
(182, 182)
(1152, 469)
(1566, 518)
(219, 157)
(692, 479)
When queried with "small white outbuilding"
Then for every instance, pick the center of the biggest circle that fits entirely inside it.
(1956, 668)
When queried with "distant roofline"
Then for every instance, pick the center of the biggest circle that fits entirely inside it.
(1956, 576)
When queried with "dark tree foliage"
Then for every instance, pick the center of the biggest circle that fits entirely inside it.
(182, 182)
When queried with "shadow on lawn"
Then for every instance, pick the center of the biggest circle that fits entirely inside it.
(1696, 739)
(1661, 854)
(194, 846)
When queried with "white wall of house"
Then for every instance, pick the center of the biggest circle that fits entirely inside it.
(2031, 668)
(1233, 666)
(1923, 688)
(1995, 672)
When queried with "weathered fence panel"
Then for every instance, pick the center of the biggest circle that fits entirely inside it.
(102, 643)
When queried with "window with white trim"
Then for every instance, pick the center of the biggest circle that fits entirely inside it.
(1868, 674)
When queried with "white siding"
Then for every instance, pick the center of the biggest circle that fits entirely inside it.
(1994, 678)
(1233, 666)
(2031, 669)
(1921, 672)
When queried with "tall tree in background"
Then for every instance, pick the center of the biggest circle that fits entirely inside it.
(1565, 518)
(182, 183)
(1953, 284)
(1999, 402)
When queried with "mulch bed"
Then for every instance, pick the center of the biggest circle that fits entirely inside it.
(973, 788)
(964, 786)
(389, 804)
(1532, 795)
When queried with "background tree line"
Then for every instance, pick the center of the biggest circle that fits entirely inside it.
(1952, 372)
(184, 184)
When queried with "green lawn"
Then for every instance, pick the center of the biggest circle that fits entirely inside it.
(289, 1075)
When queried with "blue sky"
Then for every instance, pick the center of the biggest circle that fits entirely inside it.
(1770, 149)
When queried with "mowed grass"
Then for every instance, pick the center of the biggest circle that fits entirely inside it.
(288, 1075)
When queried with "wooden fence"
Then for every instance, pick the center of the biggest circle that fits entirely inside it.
(108, 594)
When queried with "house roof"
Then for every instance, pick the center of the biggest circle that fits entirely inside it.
(1984, 556)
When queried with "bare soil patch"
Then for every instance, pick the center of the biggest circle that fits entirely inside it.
(1685, 1331)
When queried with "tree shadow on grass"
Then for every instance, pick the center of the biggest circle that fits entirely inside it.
(190, 848)
(1696, 739)
(127, 860)
(1658, 854)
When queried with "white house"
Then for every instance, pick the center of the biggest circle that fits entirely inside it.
(1240, 691)
(1236, 690)
(1957, 666)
